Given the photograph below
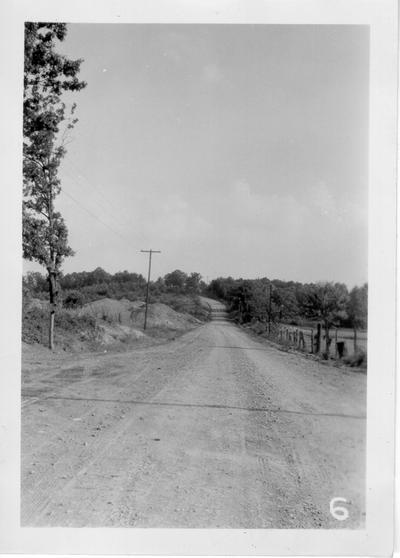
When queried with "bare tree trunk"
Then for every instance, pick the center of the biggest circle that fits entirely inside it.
(53, 302)
(355, 339)
(51, 330)
(52, 273)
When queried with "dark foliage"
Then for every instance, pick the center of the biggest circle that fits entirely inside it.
(291, 302)
(35, 325)
(47, 75)
(74, 299)
(79, 288)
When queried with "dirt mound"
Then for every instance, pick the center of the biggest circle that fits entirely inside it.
(112, 311)
(104, 323)
(162, 316)
(127, 313)
(109, 334)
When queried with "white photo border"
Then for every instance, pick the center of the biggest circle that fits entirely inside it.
(377, 538)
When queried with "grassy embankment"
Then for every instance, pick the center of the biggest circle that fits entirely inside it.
(111, 323)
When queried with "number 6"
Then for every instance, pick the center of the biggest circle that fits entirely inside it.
(339, 512)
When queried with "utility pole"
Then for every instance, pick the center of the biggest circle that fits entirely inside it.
(150, 252)
(269, 308)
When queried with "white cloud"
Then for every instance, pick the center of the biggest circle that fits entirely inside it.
(264, 212)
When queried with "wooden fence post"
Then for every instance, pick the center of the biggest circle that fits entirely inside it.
(318, 343)
(336, 349)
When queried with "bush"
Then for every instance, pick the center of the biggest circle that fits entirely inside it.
(69, 321)
(35, 324)
(74, 299)
(358, 359)
(259, 327)
(68, 325)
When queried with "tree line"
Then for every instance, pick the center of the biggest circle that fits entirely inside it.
(78, 288)
(331, 304)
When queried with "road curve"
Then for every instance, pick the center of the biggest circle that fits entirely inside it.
(210, 430)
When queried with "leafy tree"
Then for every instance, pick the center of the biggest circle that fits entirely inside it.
(357, 310)
(122, 276)
(193, 283)
(74, 299)
(239, 296)
(100, 276)
(326, 302)
(221, 287)
(34, 283)
(47, 75)
(285, 302)
(176, 280)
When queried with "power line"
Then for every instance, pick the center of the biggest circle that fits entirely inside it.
(76, 179)
(94, 215)
(80, 177)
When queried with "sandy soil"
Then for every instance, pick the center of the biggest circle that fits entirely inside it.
(130, 313)
(210, 430)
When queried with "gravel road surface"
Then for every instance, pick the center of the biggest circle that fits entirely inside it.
(211, 430)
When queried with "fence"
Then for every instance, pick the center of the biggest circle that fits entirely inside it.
(341, 342)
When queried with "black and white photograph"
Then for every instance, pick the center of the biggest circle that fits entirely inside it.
(198, 334)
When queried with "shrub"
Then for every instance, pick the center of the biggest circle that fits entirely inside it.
(67, 325)
(74, 299)
(258, 327)
(358, 359)
(35, 324)
(69, 321)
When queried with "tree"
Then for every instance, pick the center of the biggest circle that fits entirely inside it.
(221, 287)
(176, 280)
(238, 295)
(357, 310)
(285, 301)
(47, 75)
(193, 283)
(100, 276)
(34, 283)
(326, 302)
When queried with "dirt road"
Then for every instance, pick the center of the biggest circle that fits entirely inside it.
(210, 430)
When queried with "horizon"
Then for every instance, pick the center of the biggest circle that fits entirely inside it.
(206, 280)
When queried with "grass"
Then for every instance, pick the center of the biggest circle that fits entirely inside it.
(358, 359)
(186, 304)
(74, 330)
(353, 360)
(68, 327)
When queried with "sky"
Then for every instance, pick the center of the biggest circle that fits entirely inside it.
(236, 150)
